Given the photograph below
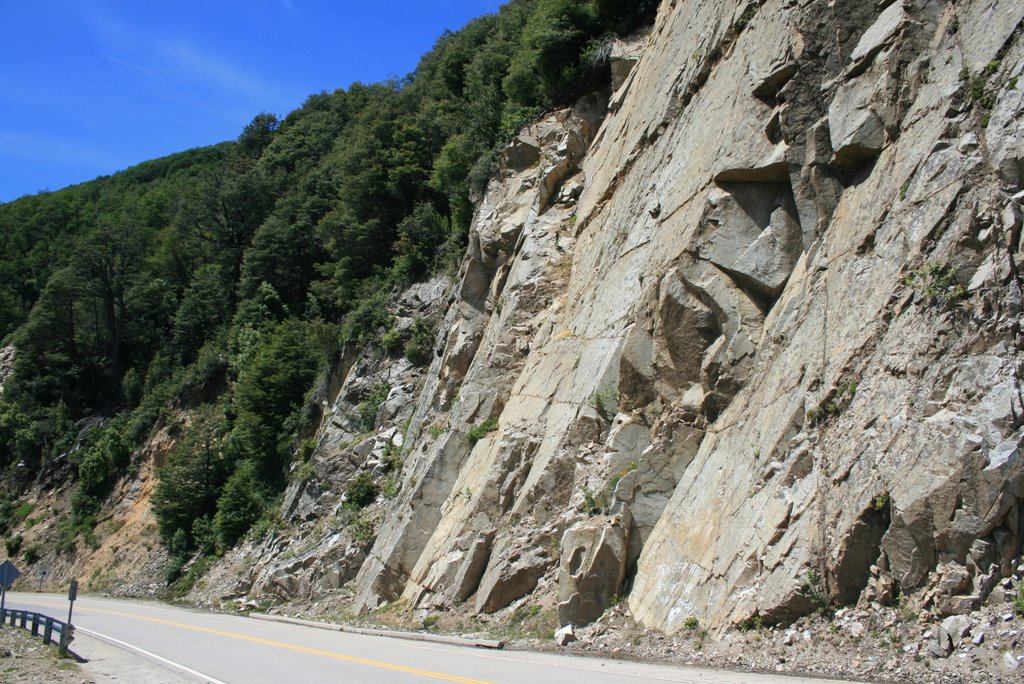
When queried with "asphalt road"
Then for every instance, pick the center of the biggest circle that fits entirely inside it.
(208, 647)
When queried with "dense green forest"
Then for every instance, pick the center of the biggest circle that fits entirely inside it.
(226, 279)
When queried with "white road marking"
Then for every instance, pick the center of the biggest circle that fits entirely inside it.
(148, 654)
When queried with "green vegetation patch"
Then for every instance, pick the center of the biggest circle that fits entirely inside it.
(477, 433)
(936, 282)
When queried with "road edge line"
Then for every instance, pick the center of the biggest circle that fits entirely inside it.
(149, 654)
(391, 634)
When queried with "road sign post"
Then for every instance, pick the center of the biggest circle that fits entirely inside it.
(72, 595)
(67, 634)
(8, 573)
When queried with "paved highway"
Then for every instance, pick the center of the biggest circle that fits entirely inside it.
(210, 647)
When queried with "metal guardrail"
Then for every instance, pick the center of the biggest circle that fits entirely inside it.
(26, 619)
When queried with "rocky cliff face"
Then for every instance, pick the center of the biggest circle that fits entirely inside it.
(747, 329)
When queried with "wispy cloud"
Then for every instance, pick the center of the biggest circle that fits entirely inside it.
(171, 59)
(144, 70)
(41, 148)
(207, 69)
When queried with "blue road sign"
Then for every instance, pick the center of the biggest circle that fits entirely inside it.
(8, 573)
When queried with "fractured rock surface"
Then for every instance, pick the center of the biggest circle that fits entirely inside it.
(748, 326)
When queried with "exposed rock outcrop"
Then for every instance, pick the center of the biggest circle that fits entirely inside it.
(593, 566)
(747, 329)
(6, 364)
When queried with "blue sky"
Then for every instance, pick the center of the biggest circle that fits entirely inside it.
(90, 87)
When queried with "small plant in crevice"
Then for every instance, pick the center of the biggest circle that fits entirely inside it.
(744, 19)
(981, 93)
(361, 491)
(392, 458)
(846, 390)
(1018, 599)
(691, 623)
(554, 548)
(418, 347)
(436, 430)
(368, 407)
(936, 282)
(390, 487)
(751, 624)
(304, 473)
(698, 643)
(881, 501)
(819, 599)
(594, 504)
(603, 401)
(478, 432)
(978, 93)
(834, 403)
(361, 530)
(614, 482)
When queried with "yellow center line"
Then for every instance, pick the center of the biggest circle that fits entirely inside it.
(300, 649)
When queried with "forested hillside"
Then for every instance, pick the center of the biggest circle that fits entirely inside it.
(227, 278)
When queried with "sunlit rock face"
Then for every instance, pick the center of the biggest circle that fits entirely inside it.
(747, 328)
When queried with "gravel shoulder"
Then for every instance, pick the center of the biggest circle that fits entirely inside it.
(24, 659)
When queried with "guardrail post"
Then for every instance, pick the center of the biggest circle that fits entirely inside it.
(65, 639)
(48, 631)
(35, 624)
(24, 619)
